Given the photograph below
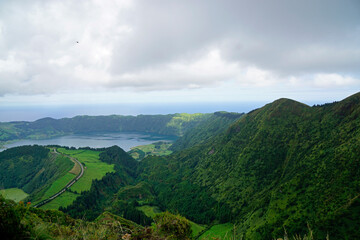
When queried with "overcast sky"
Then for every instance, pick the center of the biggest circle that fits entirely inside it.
(116, 51)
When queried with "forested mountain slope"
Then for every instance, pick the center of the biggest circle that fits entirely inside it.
(103, 193)
(31, 168)
(285, 165)
(214, 125)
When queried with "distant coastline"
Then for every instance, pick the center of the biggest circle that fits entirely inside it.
(32, 113)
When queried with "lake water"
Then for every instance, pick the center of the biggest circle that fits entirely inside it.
(98, 140)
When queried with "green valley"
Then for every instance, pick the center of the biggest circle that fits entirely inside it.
(94, 168)
(279, 171)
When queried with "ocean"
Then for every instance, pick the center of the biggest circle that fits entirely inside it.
(32, 113)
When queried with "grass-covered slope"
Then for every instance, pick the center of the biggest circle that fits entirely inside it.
(285, 165)
(102, 194)
(95, 169)
(31, 168)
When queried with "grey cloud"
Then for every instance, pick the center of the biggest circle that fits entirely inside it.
(268, 34)
(283, 37)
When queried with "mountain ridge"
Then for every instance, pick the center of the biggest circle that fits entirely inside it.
(258, 164)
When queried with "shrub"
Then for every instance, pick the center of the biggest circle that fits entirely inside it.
(172, 226)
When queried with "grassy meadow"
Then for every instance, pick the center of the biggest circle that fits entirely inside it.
(149, 211)
(219, 231)
(63, 200)
(157, 149)
(15, 194)
(59, 184)
(94, 168)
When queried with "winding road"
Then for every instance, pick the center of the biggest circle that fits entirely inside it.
(67, 186)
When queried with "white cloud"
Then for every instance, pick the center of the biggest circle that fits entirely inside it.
(209, 70)
(138, 45)
(334, 80)
(257, 77)
(11, 64)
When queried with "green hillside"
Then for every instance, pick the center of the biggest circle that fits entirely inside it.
(282, 166)
(280, 171)
(103, 193)
(32, 169)
(204, 131)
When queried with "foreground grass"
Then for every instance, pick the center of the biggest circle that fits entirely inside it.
(14, 194)
(94, 168)
(219, 231)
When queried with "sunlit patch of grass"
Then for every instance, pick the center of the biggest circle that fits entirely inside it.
(15, 194)
(94, 168)
(63, 200)
(149, 211)
(219, 231)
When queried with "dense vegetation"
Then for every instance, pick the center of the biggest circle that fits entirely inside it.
(284, 166)
(102, 194)
(213, 126)
(19, 221)
(31, 168)
(279, 170)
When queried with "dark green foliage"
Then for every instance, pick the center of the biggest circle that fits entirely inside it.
(141, 192)
(174, 193)
(121, 159)
(172, 226)
(127, 209)
(283, 165)
(213, 126)
(10, 221)
(18, 221)
(92, 203)
(32, 169)
(101, 195)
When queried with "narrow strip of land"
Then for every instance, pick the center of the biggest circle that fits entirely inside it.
(68, 185)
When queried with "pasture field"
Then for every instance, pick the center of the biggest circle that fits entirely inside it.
(196, 228)
(94, 168)
(15, 194)
(219, 231)
(59, 184)
(64, 165)
(76, 169)
(157, 149)
(63, 200)
(149, 211)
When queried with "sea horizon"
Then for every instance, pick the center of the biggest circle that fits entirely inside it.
(35, 112)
